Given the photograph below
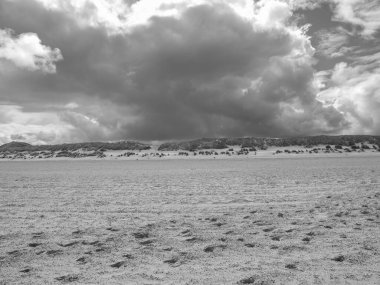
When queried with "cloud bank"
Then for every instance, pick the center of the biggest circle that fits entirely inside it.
(172, 69)
(351, 86)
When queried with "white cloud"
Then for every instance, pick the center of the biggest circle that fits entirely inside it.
(26, 51)
(306, 4)
(352, 85)
(272, 13)
(68, 123)
(333, 43)
(31, 127)
(354, 90)
(120, 16)
(362, 13)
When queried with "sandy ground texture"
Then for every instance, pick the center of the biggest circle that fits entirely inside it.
(237, 221)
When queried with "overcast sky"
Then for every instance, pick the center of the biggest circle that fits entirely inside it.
(103, 70)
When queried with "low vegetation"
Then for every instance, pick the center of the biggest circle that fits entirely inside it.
(200, 147)
(263, 143)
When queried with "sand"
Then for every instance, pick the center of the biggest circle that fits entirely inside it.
(294, 220)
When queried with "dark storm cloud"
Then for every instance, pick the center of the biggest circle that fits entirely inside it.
(194, 76)
(208, 72)
(91, 57)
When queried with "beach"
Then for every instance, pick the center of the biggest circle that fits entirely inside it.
(239, 220)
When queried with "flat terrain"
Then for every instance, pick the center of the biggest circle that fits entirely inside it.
(289, 220)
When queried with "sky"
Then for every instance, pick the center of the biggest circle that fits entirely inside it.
(108, 70)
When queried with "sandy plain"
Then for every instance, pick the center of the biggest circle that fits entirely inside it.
(263, 220)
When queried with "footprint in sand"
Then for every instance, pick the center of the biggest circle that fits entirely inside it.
(37, 235)
(248, 280)
(118, 264)
(95, 242)
(190, 239)
(54, 252)
(255, 280)
(100, 249)
(67, 278)
(211, 248)
(339, 258)
(141, 235)
(112, 229)
(82, 260)
(68, 244)
(168, 248)
(269, 229)
(291, 266)
(34, 244)
(147, 242)
(172, 260)
(261, 223)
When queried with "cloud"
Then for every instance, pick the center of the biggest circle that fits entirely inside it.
(70, 123)
(306, 4)
(121, 16)
(26, 51)
(33, 127)
(333, 43)
(364, 14)
(184, 69)
(111, 15)
(272, 13)
(213, 72)
(351, 85)
(353, 89)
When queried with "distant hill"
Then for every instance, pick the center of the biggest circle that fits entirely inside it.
(15, 146)
(204, 143)
(262, 143)
(88, 146)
